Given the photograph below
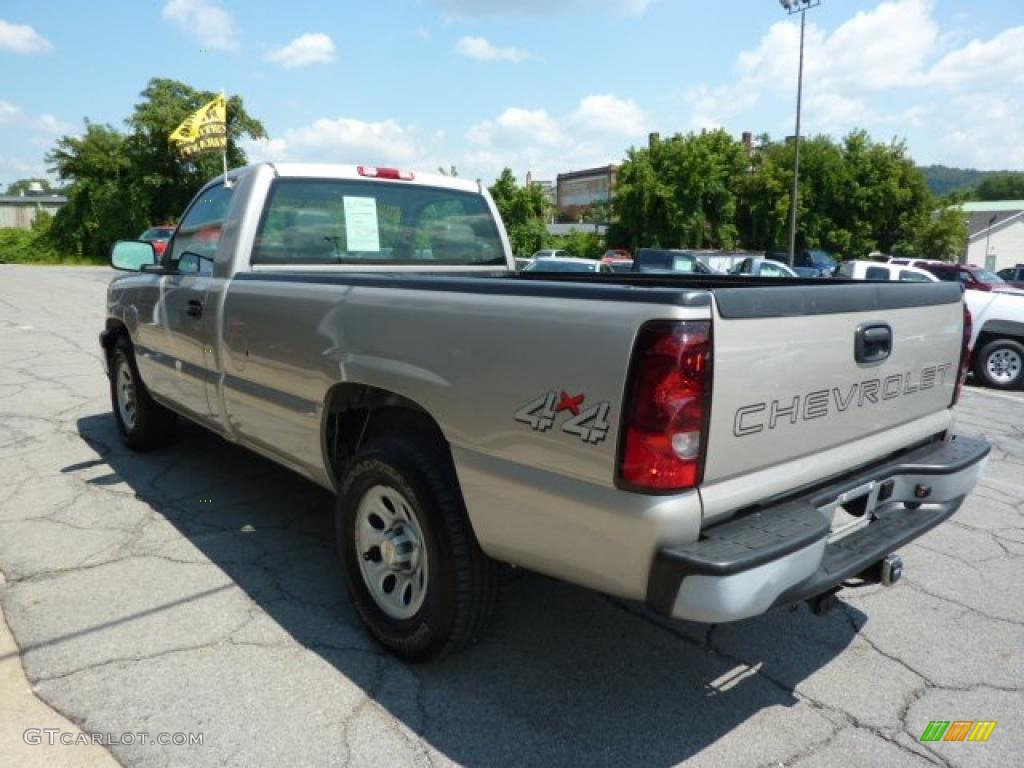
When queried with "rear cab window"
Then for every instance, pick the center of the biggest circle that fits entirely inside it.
(368, 223)
(876, 273)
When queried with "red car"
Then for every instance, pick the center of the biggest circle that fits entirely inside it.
(971, 276)
(159, 237)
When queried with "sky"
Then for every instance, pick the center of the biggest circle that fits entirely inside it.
(545, 86)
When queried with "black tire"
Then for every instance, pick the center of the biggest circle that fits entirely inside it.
(147, 424)
(461, 583)
(1000, 364)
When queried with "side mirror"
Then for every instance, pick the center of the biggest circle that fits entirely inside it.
(132, 255)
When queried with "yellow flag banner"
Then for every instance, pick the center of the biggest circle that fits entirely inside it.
(205, 130)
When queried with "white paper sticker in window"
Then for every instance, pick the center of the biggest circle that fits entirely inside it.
(361, 224)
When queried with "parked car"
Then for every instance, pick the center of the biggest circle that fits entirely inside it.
(617, 253)
(463, 414)
(808, 272)
(970, 276)
(159, 237)
(619, 265)
(873, 270)
(566, 264)
(823, 262)
(552, 253)
(758, 267)
(669, 261)
(997, 340)
(1013, 276)
(911, 262)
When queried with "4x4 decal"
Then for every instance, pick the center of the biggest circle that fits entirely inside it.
(590, 425)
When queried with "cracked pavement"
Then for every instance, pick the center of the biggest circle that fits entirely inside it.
(139, 606)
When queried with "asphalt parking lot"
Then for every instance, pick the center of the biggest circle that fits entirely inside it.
(196, 590)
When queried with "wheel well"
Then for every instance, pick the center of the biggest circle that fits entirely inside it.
(986, 336)
(357, 413)
(115, 329)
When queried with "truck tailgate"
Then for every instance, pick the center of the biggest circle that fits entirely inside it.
(787, 381)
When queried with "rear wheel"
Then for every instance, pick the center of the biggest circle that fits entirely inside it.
(142, 422)
(1000, 364)
(414, 569)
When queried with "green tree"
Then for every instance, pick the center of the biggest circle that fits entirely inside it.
(681, 192)
(940, 235)
(103, 198)
(1002, 186)
(582, 245)
(523, 211)
(120, 182)
(168, 182)
(22, 185)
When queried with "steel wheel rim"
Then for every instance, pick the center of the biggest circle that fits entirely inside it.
(389, 548)
(126, 403)
(1004, 365)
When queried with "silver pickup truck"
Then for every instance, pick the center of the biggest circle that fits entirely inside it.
(713, 445)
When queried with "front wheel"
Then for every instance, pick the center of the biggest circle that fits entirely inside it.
(142, 422)
(1000, 364)
(414, 569)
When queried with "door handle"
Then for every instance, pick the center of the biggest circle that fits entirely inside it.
(872, 343)
(194, 308)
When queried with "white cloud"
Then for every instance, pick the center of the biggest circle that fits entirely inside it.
(982, 130)
(834, 113)
(539, 7)
(610, 115)
(9, 112)
(53, 125)
(998, 59)
(348, 140)
(311, 48)
(516, 125)
(481, 49)
(206, 21)
(884, 48)
(21, 38)
(594, 133)
(712, 107)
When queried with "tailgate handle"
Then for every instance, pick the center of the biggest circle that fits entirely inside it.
(872, 343)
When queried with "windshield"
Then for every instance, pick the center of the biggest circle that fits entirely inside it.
(650, 260)
(551, 265)
(330, 221)
(822, 259)
(984, 276)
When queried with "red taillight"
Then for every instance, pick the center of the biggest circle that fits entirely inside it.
(668, 400)
(385, 173)
(965, 354)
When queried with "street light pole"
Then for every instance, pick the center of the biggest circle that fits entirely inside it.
(988, 235)
(801, 7)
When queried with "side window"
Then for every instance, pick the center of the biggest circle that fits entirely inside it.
(965, 276)
(946, 274)
(200, 231)
(907, 276)
(876, 273)
(684, 264)
(770, 270)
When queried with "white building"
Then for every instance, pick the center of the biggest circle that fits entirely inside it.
(995, 233)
